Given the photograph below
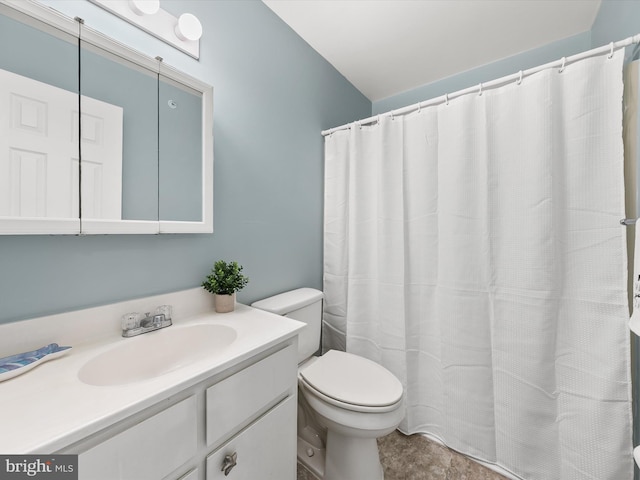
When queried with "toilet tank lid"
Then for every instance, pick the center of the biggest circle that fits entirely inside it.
(289, 301)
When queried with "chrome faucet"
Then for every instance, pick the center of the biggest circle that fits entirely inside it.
(134, 324)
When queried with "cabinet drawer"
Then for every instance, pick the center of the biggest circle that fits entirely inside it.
(147, 451)
(257, 455)
(234, 401)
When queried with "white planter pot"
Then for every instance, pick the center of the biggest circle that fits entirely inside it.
(224, 303)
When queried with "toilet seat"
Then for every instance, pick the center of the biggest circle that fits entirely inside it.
(352, 382)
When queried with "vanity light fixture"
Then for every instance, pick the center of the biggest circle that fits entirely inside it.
(144, 7)
(183, 33)
(188, 28)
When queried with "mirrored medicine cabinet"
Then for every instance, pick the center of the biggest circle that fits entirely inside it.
(96, 138)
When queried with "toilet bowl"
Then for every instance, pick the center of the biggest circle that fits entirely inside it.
(358, 401)
(345, 401)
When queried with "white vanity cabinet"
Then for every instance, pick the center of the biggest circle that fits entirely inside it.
(192, 475)
(151, 449)
(245, 415)
(261, 451)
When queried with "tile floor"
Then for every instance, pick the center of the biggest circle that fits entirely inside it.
(415, 457)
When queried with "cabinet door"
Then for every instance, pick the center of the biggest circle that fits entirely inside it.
(265, 450)
(235, 401)
(147, 451)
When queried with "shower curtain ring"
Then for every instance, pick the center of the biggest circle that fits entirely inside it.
(564, 59)
(480, 89)
(611, 53)
(519, 79)
(446, 99)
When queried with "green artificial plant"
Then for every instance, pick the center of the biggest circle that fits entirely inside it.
(225, 278)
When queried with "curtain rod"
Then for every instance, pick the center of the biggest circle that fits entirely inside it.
(494, 83)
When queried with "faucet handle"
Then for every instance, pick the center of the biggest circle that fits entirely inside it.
(165, 310)
(130, 321)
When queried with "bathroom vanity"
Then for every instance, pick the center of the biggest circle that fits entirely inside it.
(229, 413)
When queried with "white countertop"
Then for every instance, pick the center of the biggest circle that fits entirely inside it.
(48, 407)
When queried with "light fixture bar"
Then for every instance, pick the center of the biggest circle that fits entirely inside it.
(160, 24)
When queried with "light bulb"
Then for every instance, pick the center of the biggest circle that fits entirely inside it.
(188, 27)
(144, 7)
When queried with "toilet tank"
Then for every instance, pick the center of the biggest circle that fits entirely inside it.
(304, 305)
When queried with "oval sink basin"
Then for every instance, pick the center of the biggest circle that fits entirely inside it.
(156, 353)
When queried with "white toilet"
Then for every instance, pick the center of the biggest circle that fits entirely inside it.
(345, 401)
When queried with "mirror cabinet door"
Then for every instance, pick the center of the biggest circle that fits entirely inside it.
(181, 152)
(119, 143)
(39, 158)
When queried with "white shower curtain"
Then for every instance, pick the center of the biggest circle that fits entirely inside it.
(474, 249)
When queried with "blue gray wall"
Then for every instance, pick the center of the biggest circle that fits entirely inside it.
(273, 95)
(616, 20)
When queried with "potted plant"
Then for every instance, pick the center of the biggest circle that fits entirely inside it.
(224, 281)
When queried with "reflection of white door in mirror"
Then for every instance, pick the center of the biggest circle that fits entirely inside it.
(101, 152)
(40, 162)
(40, 175)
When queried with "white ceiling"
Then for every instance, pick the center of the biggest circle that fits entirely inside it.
(385, 47)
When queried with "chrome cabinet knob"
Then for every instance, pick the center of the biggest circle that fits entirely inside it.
(229, 462)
